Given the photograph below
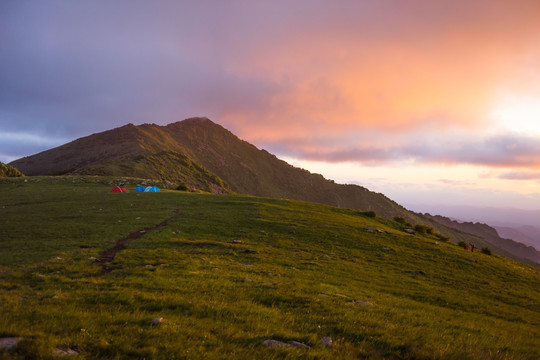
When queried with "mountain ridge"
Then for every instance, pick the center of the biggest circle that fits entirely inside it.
(197, 153)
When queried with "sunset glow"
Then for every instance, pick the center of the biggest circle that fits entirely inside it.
(436, 99)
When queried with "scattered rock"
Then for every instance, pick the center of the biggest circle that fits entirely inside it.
(250, 251)
(63, 353)
(268, 284)
(379, 231)
(386, 248)
(362, 302)
(148, 266)
(236, 241)
(472, 260)
(58, 258)
(276, 344)
(142, 231)
(326, 341)
(436, 243)
(326, 256)
(248, 280)
(298, 344)
(341, 295)
(323, 295)
(9, 342)
(156, 321)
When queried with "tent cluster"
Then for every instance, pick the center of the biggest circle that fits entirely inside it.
(147, 189)
(118, 189)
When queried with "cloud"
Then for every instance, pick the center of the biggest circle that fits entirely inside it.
(509, 150)
(379, 77)
(520, 175)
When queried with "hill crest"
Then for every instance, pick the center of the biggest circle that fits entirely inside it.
(197, 153)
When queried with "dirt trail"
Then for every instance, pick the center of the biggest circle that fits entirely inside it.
(107, 256)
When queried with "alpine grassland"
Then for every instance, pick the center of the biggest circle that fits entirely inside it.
(224, 273)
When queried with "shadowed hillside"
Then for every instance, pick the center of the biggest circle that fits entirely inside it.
(217, 155)
(198, 154)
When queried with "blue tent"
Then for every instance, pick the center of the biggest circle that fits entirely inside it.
(140, 188)
(151, 189)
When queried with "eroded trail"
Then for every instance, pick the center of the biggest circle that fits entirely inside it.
(107, 256)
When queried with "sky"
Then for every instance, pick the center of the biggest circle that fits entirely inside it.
(428, 102)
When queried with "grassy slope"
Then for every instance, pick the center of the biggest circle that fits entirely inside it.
(292, 277)
(205, 156)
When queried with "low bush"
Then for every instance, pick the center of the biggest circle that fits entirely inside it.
(462, 244)
(423, 229)
(486, 250)
(371, 214)
(182, 187)
(442, 237)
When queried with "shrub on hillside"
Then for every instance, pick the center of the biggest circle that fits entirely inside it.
(182, 187)
(371, 214)
(9, 171)
(442, 237)
(402, 221)
(486, 250)
(462, 244)
(423, 229)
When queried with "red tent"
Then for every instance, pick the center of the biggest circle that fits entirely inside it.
(123, 189)
(117, 189)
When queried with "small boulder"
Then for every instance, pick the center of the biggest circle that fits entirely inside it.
(362, 302)
(9, 342)
(298, 344)
(276, 344)
(326, 341)
(409, 231)
(156, 321)
(271, 343)
(64, 353)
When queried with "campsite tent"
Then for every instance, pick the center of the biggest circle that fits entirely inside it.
(140, 188)
(151, 189)
(118, 189)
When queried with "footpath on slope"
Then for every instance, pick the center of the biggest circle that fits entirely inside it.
(107, 256)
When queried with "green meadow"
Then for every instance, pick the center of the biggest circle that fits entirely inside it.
(228, 272)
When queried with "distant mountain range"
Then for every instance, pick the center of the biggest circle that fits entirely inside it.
(198, 154)
(492, 235)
